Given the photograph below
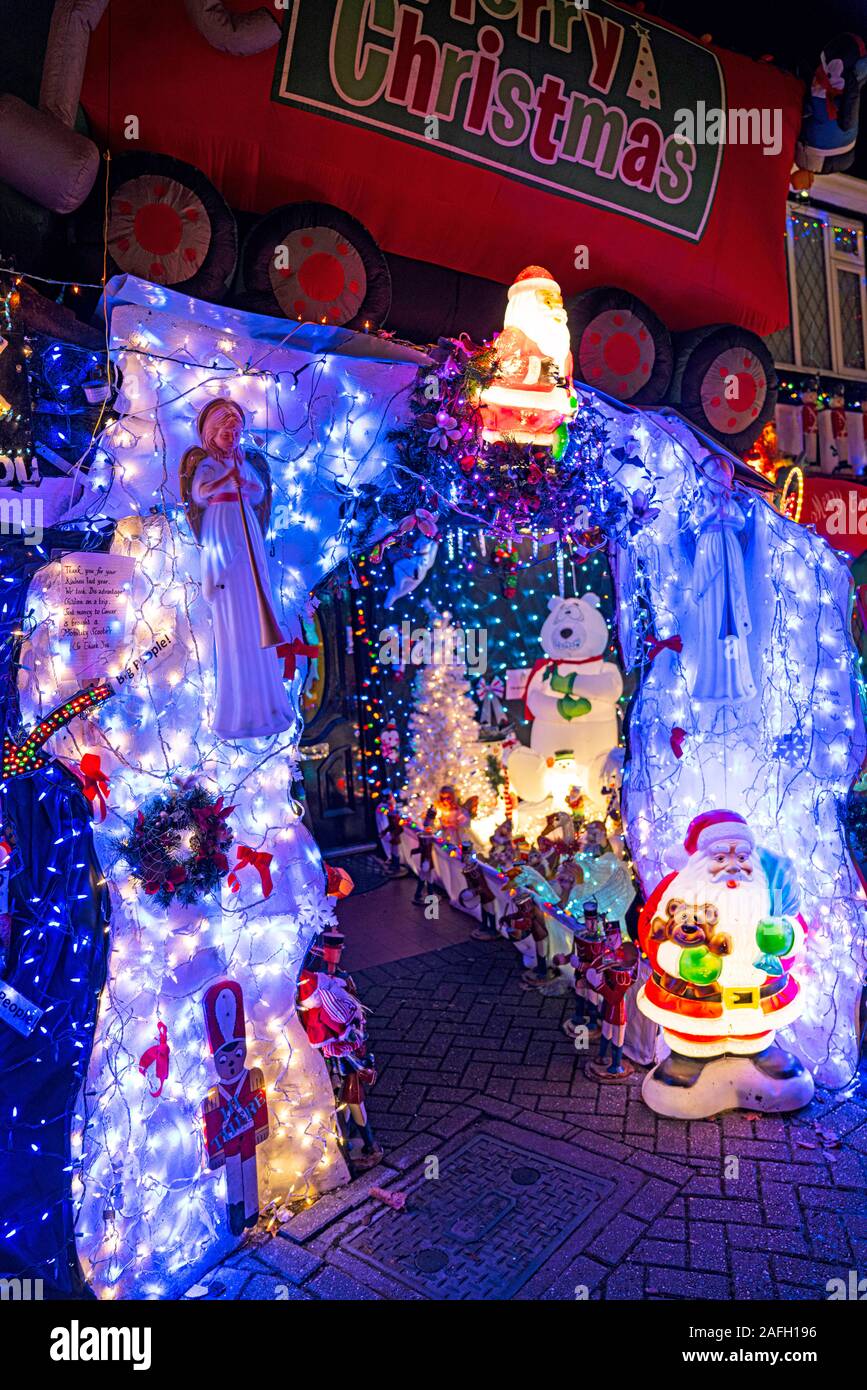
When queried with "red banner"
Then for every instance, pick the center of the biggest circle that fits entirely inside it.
(602, 144)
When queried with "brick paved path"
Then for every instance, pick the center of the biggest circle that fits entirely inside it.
(468, 1060)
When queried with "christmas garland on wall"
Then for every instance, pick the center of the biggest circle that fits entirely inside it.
(506, 488)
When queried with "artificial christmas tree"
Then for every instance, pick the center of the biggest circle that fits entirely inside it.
(446, 750)
(644, 83)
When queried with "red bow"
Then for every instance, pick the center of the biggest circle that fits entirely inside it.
(655, 645)
(174, 878)
(95, 784)
(158, 1054)
(258, 859)
(676, 741)
(290, 651)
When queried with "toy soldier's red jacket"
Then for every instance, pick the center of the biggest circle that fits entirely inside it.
(236, 1118)
(612, 993)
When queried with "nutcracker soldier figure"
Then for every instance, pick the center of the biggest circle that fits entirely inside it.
(334, 1022)
(479, 894)
(235, 1111)
(394, 835)
(588, 946)
(424, 853)
(612, 977)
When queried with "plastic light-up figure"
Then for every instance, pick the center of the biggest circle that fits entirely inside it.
(782, 757)
(151, 1215)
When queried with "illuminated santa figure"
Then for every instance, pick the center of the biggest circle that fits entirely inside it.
(720, 935)
(531, 395)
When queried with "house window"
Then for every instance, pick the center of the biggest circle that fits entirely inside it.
(827, 296)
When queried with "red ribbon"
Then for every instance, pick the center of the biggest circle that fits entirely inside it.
(831, 86)
(676, 741)
(173, 880)
(159, 1054)
(95, 784)
(258, 859)
(290, 651)
(655, 645)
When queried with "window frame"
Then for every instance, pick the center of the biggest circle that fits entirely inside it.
(833, 260)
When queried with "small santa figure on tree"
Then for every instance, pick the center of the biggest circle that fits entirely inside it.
(721, 934)
(531, 395)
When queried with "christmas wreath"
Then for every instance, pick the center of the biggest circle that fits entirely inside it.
(177, 846)
(504, 486)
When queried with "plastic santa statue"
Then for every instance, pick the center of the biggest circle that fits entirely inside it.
(720, 935)
(235, 1111)
(532, 393)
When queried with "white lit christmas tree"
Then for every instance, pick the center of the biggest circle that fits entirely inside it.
(444, 730)
(644, 83)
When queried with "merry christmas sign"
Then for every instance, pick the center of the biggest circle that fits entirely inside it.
(581, 102)
(620, 149)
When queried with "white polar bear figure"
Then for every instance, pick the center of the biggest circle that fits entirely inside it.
(571, 696)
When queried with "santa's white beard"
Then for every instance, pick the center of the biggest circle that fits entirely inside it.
(524, 311)
(740, 909)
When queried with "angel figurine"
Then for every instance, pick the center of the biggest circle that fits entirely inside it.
(252, 701)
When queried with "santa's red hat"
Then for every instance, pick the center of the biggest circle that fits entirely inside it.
(712, 826)
(533, 277)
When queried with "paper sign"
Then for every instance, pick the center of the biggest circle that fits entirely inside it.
(94, 594)
(516, 683)
(17, 1011)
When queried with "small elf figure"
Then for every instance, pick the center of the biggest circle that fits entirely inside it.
(594, 839)
(502, 851)
(394, 833)
(612, 977)
(453, 817)
(235, 1111)
(568, 877)
(478, 893)
(424, 852)
(550, 852)
(577, 807)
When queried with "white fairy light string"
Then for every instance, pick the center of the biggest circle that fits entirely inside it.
(149, 1212)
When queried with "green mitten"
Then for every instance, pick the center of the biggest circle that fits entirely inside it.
(699, 965)
(571, 707)
(561, 685)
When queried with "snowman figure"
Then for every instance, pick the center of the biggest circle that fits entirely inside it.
(531, 396)
(571, 696)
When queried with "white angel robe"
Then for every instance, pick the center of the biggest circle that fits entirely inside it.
(252, 701)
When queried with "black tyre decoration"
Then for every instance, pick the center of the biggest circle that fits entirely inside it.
(312, 262)
(620, 346)
(166, 223)
(725, 382)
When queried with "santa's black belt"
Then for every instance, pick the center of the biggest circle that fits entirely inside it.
(714, 994)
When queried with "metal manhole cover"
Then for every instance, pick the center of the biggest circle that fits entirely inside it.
(483, 1227)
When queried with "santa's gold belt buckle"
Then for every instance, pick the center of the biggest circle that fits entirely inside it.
(746, 998)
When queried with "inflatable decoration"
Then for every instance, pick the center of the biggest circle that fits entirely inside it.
(571, 696)
(721, 935)
(167, 223)
(239, 34)
(829, 131)
(620, 345)
(310, 261)
(725, 382)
